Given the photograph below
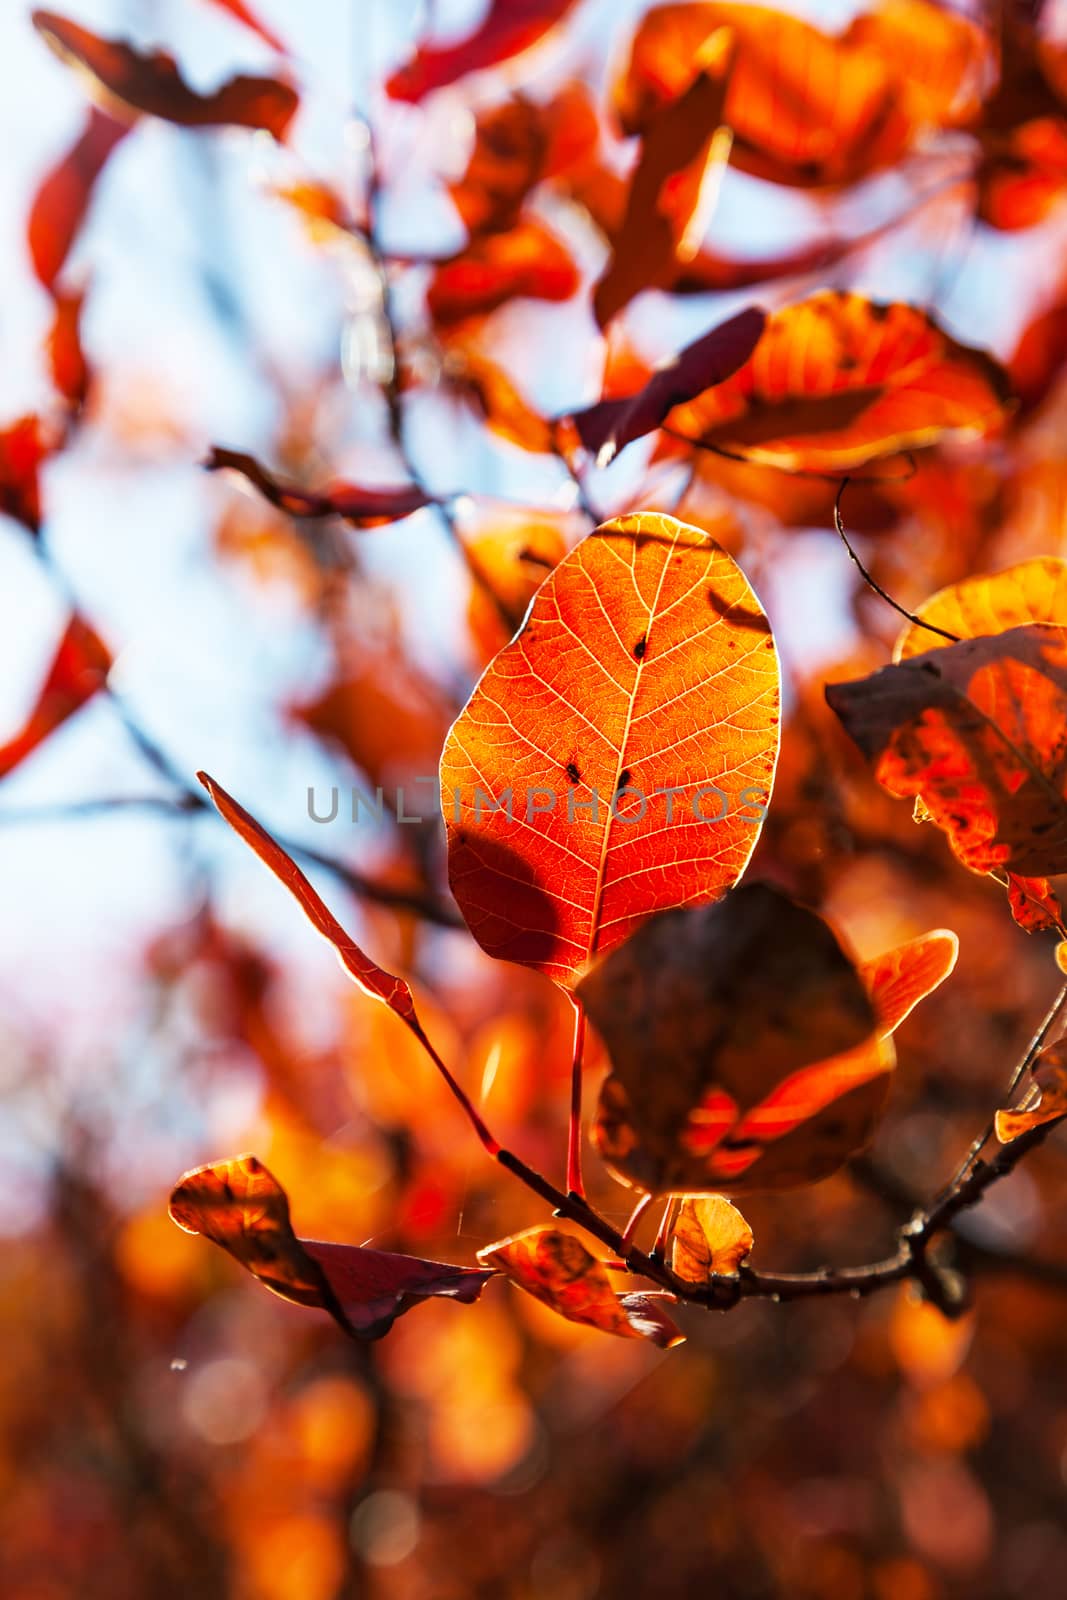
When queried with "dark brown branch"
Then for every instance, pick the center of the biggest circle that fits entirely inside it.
(873, 583)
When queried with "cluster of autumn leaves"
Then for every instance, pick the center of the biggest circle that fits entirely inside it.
(646, 664)
(747, 1047)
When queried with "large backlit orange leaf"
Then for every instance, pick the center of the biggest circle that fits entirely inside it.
(62, 198)
(673, 187)
(78, 671)
(838, 380)
(807, 108)
(508, 28)
(646, 664)
(364, 508)
(528, 262)
(1044, 1099)
(898, 979)
(558, 1270)
(127, 79)
(745, 1050)
(975, 732)
(240, 1206)
(710, 1237)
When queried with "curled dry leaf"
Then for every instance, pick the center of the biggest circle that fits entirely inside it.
(129, 81)
(79, 669)
(558, 1270)
(372, 979)
(363, 508)
(508, 28)
(710, 1238)
(616, 422)
(62, 199)
(527, 262)
(838, 380)
(1045, 1099)
(974, 731)
(644, 677)
(240, 1206)
(899, 979)
(745, 1050)
(674, 186)
(807, 108)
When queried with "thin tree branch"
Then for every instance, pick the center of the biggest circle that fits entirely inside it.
(953, 638)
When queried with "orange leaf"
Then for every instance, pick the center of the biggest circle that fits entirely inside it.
(66, 358)
(838, 380)
(78, 671)
(509, 27)
(153, 84)
(494, 396)
(673, 188)
(899, 979)
(495, 268)
(808, 108)
(644, 676)
(240, 1206)
(710, 1237)
(63, 196)
(363, 508)
(1045, 1099)
(974, 731)
(1032, 591)
(372, 979)
(1023, 175)
(558, 1270)
(745, 1052)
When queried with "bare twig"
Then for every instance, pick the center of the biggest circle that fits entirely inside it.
(953, 638)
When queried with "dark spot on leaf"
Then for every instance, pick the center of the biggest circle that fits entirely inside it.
(572, 772)
(640, 647)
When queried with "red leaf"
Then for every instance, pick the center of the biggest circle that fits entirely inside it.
(79, 669)
(509, 27)
(62, 199)
(612, 424)
(495, 268)
(153, 84)
(240, 1206)
(22, 450)
(364, 508)
(372, 979)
